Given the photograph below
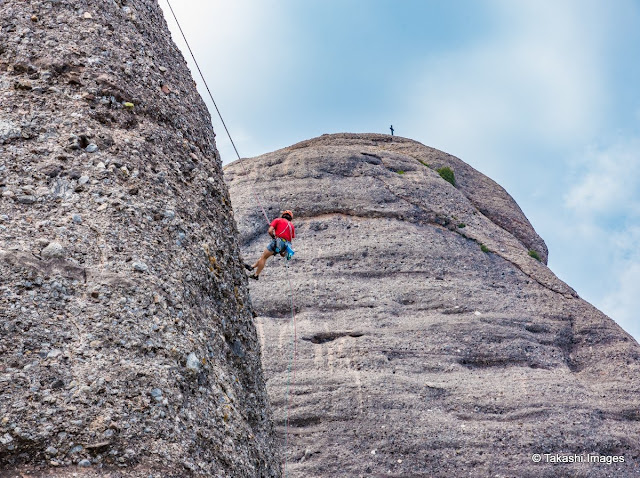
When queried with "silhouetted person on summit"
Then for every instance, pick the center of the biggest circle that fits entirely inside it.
(391, 128)
(282, 233)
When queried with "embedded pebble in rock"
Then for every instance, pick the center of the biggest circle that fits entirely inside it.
(157, 394)
(140, 267)
(9, 130)
(27, 199)
(53, 250)
(53, 451)
(99, 305)
(193, 363)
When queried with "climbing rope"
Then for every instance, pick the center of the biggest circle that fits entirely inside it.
(217, 109)
(291, 372)
(291, 379)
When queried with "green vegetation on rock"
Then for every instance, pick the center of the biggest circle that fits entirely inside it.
(534, 254)
(447, 174)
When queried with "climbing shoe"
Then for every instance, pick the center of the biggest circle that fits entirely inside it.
(253, 276)
(248, 267)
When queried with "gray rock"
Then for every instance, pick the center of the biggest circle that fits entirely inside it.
(51, 451)
(193, 363)
(411, 341)
(26, 199)
(84, 462)
(140, 267)
(77, 218)
(9, 130)
(92, 148)
(237, 348)
(127, 340)
(53, 250)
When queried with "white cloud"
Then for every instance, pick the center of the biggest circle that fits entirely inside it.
(243, 48)
(608, 182)
(623, 304)
(537, 77)
(603, 207)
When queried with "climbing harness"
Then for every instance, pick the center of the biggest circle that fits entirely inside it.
(283, 246)
(291, 370)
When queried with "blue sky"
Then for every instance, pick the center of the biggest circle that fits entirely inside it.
(542, 96)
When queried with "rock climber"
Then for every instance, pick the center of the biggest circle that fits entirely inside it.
(392, 130)
(282, 233)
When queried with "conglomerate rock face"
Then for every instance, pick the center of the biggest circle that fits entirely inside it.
(127, 345)
(419, 352)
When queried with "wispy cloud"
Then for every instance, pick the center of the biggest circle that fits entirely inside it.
(607, 183)
(537, 77)
(604, 202)
(244, 48)
(624, 302)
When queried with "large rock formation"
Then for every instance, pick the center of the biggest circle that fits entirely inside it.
(126, 338)
(429, 341)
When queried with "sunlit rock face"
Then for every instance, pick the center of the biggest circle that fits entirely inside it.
(429, 341)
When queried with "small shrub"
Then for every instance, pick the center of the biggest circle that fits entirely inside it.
(446, 173)
(461, 225)
(424, 164)
(535, 255)
(484, 248)
(400, 171)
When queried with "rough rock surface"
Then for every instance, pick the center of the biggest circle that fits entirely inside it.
(419, 354)
(127, 344)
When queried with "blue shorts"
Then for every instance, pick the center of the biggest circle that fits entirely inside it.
(277, 246)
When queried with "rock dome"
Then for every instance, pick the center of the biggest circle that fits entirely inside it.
(429, 341)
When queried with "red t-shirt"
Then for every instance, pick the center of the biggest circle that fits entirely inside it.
(283, 229)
